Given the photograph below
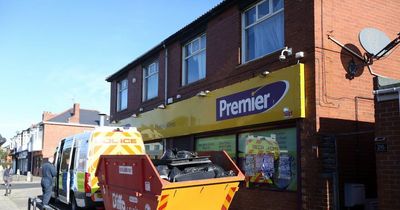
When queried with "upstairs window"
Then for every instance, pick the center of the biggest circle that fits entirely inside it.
(194, 60)
(150, 81)
(122, 96)
(263, 29)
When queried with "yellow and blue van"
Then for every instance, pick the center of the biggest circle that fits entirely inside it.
(76, 159)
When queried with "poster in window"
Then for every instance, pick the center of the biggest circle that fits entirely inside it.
(269, 158)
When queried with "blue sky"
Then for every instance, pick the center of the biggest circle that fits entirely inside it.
(55, 53)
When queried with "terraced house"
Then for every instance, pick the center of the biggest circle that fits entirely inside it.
(282, 86)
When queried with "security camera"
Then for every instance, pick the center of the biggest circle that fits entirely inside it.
(282, 56)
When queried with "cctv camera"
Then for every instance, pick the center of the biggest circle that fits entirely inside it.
(282, 56)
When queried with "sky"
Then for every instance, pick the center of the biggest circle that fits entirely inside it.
(56, 53)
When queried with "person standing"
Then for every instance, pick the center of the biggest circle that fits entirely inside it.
(48, 172)
(7, 179)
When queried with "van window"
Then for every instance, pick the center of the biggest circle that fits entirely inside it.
(73, 159)
(65, 161)
(83, 152)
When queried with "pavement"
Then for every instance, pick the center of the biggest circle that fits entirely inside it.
(21, 190)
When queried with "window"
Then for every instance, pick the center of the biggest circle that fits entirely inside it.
(269, 158)
(122, 96)
(150, 81)
(263, 29)
(194, 60)
(218, 143)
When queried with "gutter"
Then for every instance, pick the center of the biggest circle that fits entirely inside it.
(388, 94)
(68, 124)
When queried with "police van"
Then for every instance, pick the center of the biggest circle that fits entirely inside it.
(76, 159)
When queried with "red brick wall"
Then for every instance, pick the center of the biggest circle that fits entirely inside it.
(348, 101)
(388, 163)
(329, 94)
(337, 96)
(53, 134)
(253, 199)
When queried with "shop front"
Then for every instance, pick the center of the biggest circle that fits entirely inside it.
(255, 121)
(37, 160)
(22, 162)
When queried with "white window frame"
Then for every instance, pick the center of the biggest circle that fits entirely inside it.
(184, 57)
(119, 94)
(258, 20)
(146, 68)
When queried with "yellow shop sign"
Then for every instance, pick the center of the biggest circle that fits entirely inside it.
(278, 96)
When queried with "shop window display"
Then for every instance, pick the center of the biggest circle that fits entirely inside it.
(154, 149)
(269, 159)
(218, 143)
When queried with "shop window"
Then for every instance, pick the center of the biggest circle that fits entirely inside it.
(263, 29)
(218, 143)
(269, 158)
(154, 150)
(194, 60)
(122, 95)
(150, 81)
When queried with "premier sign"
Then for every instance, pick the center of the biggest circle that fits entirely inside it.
(252, 101)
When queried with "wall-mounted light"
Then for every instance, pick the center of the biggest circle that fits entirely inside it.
(170, 100)
(203, 93)
(161, 106)
(140, 109)
(264, 73)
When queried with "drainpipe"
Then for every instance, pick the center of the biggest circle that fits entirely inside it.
(166, 74)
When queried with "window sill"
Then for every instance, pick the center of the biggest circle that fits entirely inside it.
(193, 83)
(122, 110)
(259, 58)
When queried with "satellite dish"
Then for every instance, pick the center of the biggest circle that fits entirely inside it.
(375, 42)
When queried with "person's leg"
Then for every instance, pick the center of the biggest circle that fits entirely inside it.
(7, 186)
(46, 195)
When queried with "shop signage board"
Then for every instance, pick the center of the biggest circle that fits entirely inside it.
(276, 97)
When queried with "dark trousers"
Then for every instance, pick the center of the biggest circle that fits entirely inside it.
(47, 188)
(7, 184)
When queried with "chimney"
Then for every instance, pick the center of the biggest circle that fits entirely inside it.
(75, 115)
(102, 118)
(47, 116)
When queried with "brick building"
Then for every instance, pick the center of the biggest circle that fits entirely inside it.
(387, 142)
(300, 127)
(32, 145)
